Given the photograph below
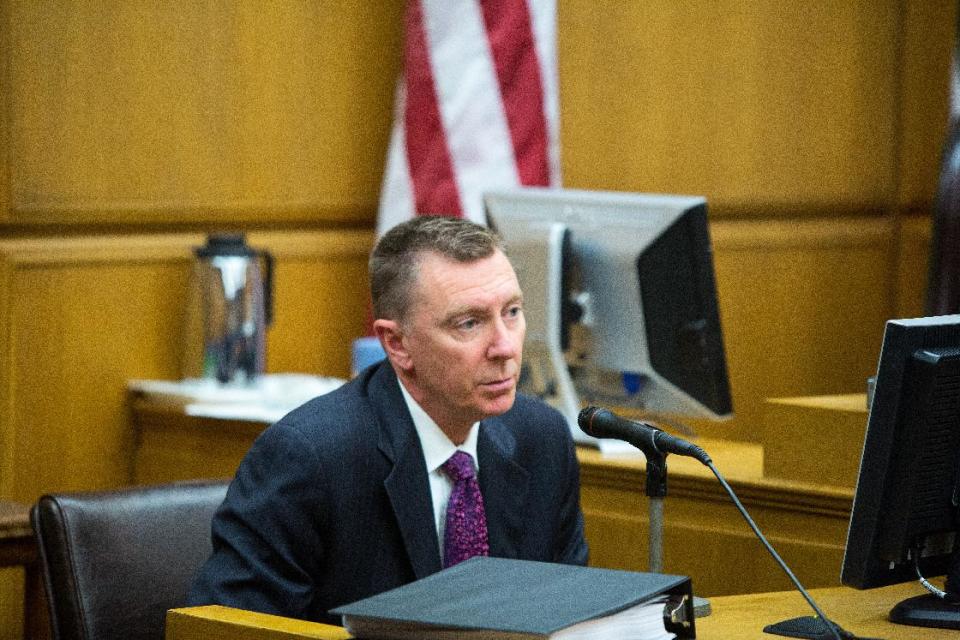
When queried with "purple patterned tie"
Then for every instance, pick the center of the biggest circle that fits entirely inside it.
(466, 529)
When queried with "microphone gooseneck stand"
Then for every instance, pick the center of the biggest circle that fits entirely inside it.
(832, 628)
(656, 490)
(645, 437)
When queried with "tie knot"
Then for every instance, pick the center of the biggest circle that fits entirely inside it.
(459, 466)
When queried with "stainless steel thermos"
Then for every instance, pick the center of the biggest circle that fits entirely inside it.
(230, 309)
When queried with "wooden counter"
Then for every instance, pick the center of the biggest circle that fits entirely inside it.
(815, 438)
(742, 617)
(863, 613)
(705, 537)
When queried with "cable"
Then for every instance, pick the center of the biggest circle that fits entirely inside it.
(675, 425)
(656, 444)
(783, 565)
(932, 588)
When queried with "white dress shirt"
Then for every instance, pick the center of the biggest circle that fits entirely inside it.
(437, 449)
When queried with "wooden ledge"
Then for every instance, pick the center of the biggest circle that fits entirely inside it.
(741, 464)
(215, 622)
(17, 544)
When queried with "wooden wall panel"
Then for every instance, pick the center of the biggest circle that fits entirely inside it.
(85, 315)
(11, 603)
(135, 112)
(322, 292)
(802, 306)
(5, 133)
(924, 99)
(769, 108)
(913, 255)
(80, 330)
(142, 111)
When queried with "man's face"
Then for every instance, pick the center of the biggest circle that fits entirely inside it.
(463, 339)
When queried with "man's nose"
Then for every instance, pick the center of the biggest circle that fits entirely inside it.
(505, 343)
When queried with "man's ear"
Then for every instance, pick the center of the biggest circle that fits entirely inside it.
(392, 339)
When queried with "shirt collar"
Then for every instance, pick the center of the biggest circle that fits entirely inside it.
(437, 447)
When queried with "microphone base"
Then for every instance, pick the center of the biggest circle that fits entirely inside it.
(810, 627)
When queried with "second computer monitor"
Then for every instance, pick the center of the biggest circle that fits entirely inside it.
(620, 299)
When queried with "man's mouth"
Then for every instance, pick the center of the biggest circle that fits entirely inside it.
(503, 384)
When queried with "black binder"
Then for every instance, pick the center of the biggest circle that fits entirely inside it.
(504, 599)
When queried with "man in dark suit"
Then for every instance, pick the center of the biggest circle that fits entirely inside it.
(347, 496)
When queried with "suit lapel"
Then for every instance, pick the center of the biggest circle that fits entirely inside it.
(504, 485)
(407, 485)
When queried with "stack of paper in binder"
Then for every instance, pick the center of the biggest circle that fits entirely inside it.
(501, 599)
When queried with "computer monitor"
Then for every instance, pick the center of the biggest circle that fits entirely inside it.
(904, 518)
(620, 301)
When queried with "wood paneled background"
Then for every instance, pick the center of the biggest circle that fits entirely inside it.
(130, 128)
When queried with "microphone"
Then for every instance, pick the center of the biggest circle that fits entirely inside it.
(601, 423)
(655, 444)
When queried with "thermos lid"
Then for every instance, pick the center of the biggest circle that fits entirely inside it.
(225, 244)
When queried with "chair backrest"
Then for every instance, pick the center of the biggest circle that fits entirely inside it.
(113, 562)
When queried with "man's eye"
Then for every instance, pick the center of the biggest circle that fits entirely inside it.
(513, 312)
(467, 325)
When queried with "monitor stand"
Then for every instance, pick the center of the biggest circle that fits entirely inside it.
(940, 609)
(927, 611)
(540, 249)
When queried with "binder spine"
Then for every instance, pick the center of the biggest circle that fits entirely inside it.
(678, 616)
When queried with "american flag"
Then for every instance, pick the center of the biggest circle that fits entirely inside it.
(476, 107)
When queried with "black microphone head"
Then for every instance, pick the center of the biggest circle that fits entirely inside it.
(585, 419)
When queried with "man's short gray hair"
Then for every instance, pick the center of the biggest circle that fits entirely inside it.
(395, 259)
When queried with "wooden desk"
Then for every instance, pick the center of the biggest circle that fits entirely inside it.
(224, 623)
(863, 613)
(704, 536)
(734, 618)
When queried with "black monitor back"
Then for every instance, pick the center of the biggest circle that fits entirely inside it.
(907, 490)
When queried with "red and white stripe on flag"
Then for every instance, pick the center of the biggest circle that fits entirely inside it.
(476, 107)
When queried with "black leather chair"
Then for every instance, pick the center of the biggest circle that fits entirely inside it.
(113, 562)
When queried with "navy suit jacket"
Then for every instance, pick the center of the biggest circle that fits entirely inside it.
(332, 503)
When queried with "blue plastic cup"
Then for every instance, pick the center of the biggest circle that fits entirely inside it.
(366, 351)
